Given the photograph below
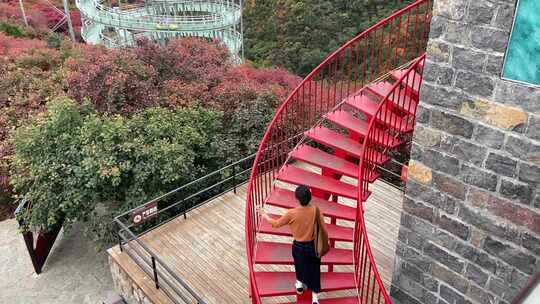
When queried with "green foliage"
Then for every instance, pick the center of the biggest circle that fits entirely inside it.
(243, 132)
(54, 40)
(139, 122)
(71, 160)
(298, 34)
(12, 30)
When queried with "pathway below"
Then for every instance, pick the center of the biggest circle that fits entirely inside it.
(74, 273)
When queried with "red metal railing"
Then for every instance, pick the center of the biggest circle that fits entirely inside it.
(389, 44)
(369, 284)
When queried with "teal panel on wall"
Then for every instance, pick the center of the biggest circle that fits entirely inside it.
(522, 62)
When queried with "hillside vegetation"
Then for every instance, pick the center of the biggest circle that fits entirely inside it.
(298, 34)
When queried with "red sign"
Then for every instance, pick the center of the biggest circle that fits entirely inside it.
(404, 173)
(142, 214)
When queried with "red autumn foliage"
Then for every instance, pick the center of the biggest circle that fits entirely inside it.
(10, 46)
(184, 72)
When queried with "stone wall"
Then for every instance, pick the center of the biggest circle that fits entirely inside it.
(125, 286)
(470, 229)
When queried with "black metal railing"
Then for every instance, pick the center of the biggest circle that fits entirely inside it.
(171, 205)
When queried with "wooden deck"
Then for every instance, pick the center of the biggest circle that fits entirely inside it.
(207, 249)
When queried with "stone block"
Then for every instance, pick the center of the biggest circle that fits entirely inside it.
(444, 257)
(481, 12)
(413, 273)
(415, 240)
(517, 278)
(482, 220)
(418, 209)
(426, 194)
(448, 141)
(467, 59)
(442, 238)
(442, 97)
(531, 242)
(438, 74)
(452, 124)
(485, 261)
(516, 214)
(497, 286)
(516, 191)
(521, 96)
(476, 274)
(416, 151)
(504, 117)
(529, 173)
(481, 296)
(478, 177)
(410, 287)
(501, 164)
(422, 114)
(469, 152)
(452, 296)
(488, 136)
(489, 39)
(468, 252)
(426, 136)
(440, 162)
(523, 149)
(453, 226)
(416, 225)
(414, 258)
(505, 16)
(457, 33)
(450, 277)
(448, 205)
(449, 185)
(438, 51)
(536, 201)
(511, 254)
(451, 9)
(437, 27)
(402, 297)
(477, 237)
(419, 172)
(475, 84)
(533, 131)
(494, 65)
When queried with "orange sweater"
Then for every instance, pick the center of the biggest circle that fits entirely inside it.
(301, 220)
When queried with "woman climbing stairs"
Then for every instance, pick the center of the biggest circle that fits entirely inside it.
(332, 134)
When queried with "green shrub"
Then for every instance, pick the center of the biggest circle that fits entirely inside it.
(71, 160)
(12, 30)
(54, 40)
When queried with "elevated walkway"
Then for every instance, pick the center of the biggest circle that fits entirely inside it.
(161, 20)
(206, 249)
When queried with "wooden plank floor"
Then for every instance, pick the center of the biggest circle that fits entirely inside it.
(207, 248)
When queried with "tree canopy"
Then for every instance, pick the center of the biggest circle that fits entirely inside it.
(298, 34)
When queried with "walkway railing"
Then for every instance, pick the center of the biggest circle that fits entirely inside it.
(389, 44)
(134, 223)
(369, 284)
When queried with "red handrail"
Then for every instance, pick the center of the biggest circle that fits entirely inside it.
(362, 251)
(389, 44)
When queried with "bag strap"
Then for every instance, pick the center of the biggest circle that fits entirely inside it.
(316, 223)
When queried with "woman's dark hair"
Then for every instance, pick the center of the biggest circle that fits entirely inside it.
(303, 195)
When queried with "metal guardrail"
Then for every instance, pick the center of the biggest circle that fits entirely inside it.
(178, 202)
(140, 19)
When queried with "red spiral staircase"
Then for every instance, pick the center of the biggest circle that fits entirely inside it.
(345, 118)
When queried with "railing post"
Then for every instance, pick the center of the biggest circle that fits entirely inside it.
(155, 272)
(185, 213)
(234, 178)
(120, 241)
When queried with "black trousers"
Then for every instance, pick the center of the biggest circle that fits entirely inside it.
(307, 265)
